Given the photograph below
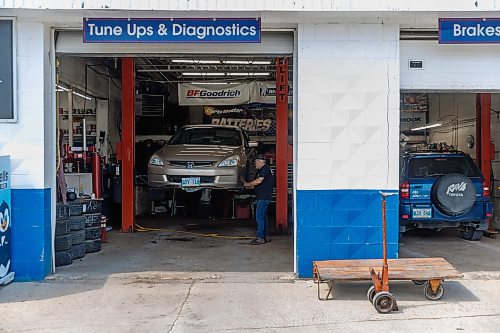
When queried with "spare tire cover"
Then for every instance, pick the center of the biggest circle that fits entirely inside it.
(454, 194)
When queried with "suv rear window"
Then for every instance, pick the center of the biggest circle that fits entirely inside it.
(423, 167)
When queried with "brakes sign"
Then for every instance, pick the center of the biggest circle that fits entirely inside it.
(456, 190)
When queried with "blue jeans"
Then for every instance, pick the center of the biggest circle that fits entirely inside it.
(261, 217)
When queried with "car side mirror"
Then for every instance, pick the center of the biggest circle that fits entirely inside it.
(253, 144)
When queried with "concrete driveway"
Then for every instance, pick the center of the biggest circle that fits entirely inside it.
(95, 296)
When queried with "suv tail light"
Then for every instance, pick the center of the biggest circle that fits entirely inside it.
(486, 190)
(404, 190)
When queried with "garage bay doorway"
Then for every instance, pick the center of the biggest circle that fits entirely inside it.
(191, 216)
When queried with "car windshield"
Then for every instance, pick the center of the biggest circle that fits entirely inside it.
(207, 136)
(432, 166)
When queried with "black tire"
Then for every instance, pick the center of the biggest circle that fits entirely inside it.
(63, 258)
(62, 243)
(92, 220)
(92, 233)
(453, 194)
(93, 206)
(76, 208)
(77, 222)
(62, 227)
(77, 237)
(77, 251)
(471, 234)
(62, 211)
(92, 246)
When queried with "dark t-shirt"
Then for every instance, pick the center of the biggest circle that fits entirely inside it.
(264, 191)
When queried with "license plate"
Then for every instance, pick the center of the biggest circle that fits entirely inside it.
(421, 213)
(189, 182)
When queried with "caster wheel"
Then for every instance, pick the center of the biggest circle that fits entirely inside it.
(384, 302)
(370, 294)
(433, 296)
(419, 282)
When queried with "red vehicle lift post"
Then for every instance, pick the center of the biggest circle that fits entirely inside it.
(128, 143)
(282, 144)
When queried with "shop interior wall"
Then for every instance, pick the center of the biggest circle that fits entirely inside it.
(72, 72)
(449, 108)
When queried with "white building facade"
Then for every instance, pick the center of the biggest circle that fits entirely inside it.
(350, 66)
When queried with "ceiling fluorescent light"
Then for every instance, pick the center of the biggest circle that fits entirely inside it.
(81, 95)
(61, 88)
(248, 74)
(246, 62)
(209, 83)
(190, 61)
(426, 127)
(202, 74)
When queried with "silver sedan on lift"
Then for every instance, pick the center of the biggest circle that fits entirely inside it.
(203, 156)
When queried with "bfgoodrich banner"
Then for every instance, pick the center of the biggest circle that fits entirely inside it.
(225, 94)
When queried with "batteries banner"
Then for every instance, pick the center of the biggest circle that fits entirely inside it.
(254, 119)
(5, 216)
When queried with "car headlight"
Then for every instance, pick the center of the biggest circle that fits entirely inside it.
(156, 160)
(230, 161)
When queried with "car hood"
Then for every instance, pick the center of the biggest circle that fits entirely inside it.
(197, 152)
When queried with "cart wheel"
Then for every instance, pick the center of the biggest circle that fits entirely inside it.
(371, 294)
(384, 302)
(419, 282)
(433, 296)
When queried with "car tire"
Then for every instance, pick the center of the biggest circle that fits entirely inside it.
(77, 251)
(77, 237)
(62, 243)
(93, 206)
(77, 222)
(471, 234)
(92, 246)
(62, 227)
(92, 233)
(62, 211)
(76, 208)
(63, 258)
(453, 194)
(92, 220)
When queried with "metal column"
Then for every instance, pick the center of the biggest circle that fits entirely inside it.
(128, 143)
(281, 144)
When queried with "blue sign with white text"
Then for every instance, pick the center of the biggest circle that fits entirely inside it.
(469, 31)
(144, 30)
(5, 218)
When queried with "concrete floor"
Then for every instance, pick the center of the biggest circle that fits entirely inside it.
(164, 281)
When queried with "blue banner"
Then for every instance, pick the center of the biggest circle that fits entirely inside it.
(5, 217)
(469, 31)
(144, 30)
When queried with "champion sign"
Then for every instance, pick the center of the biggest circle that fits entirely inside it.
(469, 31)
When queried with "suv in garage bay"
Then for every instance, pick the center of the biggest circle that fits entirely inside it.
(443, 189)
(203, 156)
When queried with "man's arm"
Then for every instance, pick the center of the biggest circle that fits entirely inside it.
(253, 182)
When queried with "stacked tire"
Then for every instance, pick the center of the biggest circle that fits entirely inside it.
(93, 225)
(62, 241)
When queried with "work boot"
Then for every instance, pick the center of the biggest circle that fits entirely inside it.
(258, 241)
(267, 239)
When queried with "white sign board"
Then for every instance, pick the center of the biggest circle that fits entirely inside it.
(224, 94)
(265, 92)
(409, 120)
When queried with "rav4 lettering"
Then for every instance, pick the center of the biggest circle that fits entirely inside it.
(454, 189)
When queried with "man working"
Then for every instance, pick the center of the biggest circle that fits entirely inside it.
(263, 184)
